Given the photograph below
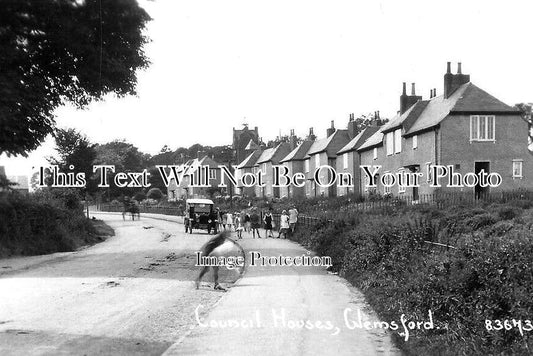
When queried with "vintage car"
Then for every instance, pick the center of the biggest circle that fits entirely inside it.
(199, 214)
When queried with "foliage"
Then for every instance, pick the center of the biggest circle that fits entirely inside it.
(139, 196)
(45, 223)
(74, 149)
(125, 157)
(63, 50)
(488, 276)
(154, 193)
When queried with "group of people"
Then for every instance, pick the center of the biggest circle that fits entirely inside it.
(250, 221)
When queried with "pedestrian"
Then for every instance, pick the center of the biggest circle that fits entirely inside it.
(247, 222)
(224, 220)
(229, 220)
(293, 218)
(255, 221)
(219, 245)
(238, 225)
(283, 224)
(268, 224)
(219, 219)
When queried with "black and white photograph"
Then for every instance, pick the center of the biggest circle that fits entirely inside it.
(294, 177)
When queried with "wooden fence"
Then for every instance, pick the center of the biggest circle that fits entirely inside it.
(170, 210)
(439, 199)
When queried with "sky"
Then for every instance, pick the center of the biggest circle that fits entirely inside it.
(283, 65)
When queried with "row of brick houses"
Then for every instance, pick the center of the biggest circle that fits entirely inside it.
(465, 128)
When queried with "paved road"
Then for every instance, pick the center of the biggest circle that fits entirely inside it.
(133, 294)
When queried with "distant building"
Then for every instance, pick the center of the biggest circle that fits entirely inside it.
(323, 152)
(247, 166)
(245, 141)
(190, 169)
(269, 158)
(294, 162)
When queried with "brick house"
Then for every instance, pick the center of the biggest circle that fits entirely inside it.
(190, 169)
(246, 166)
(465, 127)
(321, 153)
(265, 162)
(294, 162)
(348, 160)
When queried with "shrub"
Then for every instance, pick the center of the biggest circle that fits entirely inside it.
(139, 196)
(29, 227)
(154, 193)
(488, 276)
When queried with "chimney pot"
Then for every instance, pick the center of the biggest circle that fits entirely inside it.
(332, 124)
(459, 68)
(413, 89)
(449, 67)
(404, 89)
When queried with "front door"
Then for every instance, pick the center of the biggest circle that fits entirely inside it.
(479, 191)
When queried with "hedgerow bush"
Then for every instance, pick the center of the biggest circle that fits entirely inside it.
(486, 275)
(43, 224)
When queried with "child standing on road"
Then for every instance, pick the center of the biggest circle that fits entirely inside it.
(229, 221)
(283, 224)
(268, 224)
(238, 226)
(255, 219)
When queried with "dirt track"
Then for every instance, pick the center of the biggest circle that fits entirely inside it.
(134, 294)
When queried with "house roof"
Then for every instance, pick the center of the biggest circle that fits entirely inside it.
(425, 114)
(251, 145)
(468, 98)
(359, 139)
(407, 119)
(325, 144)
(272, 154)
(250, 160)
(298, 154)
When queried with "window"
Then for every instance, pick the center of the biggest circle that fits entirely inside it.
(345, 160)
(398, 141)
(517, 168)
(415, 142)
(212, 174)
(482, 127)
(375, 153)
(401, 187)
(389, 141)
(317, 160)
(306, 164)
(264, 169)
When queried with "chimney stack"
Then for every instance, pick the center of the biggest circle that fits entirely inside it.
(406, 101)
(453, 81)
(331, 130)
(352, 127)
(311, 136)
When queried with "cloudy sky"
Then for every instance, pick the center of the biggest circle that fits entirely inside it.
(283, 65)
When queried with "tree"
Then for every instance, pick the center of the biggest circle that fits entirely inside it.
(154, 193)
(365, 120)
(53, 51)
(125, 157)
(74, 149)
(526, 114)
